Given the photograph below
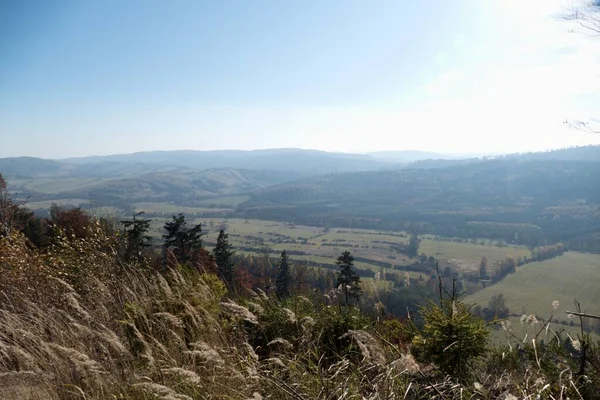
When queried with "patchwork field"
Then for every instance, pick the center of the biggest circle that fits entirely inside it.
(372, 249)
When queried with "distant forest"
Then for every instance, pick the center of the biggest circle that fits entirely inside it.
(525, 202)
(533, 199)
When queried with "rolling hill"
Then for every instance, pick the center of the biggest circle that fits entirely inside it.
(526, 199)
(529, 199)
(304, 162)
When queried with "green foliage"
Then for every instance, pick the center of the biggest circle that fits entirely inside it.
(348, 279)
(470, 200)
(283, 280)
(78, 316)
(452, 337)
(136, 231)
(183, 240)
(413, 246)
(224, 259)
(483, 273)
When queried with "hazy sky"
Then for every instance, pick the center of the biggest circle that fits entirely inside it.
(452, 76)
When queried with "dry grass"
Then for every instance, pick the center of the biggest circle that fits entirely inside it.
(78, 323)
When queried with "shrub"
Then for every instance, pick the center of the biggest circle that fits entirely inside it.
(452, 337)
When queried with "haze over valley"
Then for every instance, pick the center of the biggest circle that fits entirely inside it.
(299, 200)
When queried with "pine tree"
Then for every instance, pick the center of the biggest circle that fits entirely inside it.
(282, 283)
(348, 279)
(224, 259)
(183, 240)
(483, 268)
(136, 232)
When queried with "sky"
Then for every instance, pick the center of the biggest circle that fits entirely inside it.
(84, 78)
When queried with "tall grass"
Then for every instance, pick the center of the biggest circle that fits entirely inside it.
(77, 322)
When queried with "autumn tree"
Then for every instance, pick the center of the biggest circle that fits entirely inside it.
(283, 280)
(224, 259)
(8, 209)
(348, 280)
(73, 222)
(182, 239)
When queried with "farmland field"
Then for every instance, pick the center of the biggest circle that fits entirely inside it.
(156, 207)
(372, 249)
(469, 255)
(533, 288)
(230, 201)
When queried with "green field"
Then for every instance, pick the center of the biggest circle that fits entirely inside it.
(325, 245)
(533, 288)
(167, 208)
(230, 201)
(468, 255)
(319, 244)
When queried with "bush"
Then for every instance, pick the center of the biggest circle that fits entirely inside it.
(452, 337)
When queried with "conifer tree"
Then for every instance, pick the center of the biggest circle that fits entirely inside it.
(348, 279)
(136, 232)
(483, 268)
(224, 259)
(283, 280)
(182, 239)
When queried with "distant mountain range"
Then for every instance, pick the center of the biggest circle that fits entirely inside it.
(297, 162)
(303, 162)
(532, 196)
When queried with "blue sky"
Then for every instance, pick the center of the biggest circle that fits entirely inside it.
(459, 76)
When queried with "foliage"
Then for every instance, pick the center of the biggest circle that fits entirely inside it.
(183, 240)
(452, 337)
(413, 246)
(348, 279)
(497, 306)
(283, 280)
(534, 200)
(136, 231)
(483, 273)
(81, 321)
(223, 258)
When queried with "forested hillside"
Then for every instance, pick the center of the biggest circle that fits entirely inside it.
(516, 199)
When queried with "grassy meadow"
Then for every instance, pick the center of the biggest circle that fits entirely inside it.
(468, 255)
(533, 288)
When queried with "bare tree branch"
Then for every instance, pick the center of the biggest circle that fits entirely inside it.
(587, 17)
(582, 125)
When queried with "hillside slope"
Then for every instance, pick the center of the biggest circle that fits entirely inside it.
(533, 288)
(528, 201)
